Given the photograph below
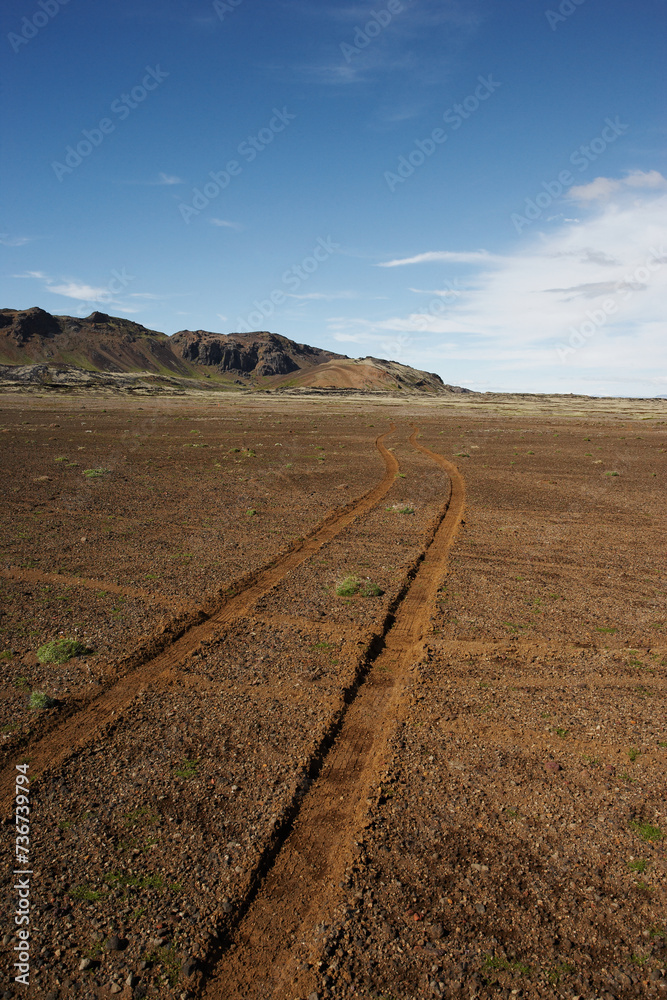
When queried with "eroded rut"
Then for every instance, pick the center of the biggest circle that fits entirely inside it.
(270, 953)
(80, 728)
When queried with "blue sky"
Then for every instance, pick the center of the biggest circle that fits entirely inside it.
(474, 188)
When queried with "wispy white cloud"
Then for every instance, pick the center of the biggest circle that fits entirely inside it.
(15, 241)
(602, 188)
(324, 296)
(32, 274)
(77, 290)
(443, 256)
(226, 224)
(168, 179)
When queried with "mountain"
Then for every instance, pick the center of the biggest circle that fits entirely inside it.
(37, 348)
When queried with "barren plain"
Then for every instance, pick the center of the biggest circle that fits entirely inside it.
(368, 700)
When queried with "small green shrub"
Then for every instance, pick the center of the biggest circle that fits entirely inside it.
(647, 831)
(60, 650)
(40, 701)
(94, 473)
(347, 587)
(350, 586)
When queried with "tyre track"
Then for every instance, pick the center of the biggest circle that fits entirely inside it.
(266, 955)
(36, 576)
(53, 749)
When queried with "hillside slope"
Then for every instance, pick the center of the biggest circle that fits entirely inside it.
(368, 374)
(96, 343)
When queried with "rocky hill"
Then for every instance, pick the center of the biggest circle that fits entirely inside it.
(58, 347)
(369, 374)
(262, 354)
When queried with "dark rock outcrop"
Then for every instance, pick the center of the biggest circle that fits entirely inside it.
(263, 354)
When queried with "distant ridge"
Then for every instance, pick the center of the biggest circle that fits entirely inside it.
(37, 348)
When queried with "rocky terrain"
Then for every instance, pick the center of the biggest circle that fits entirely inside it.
(345, 719)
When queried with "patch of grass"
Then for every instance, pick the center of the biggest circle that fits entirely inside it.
(639, 960)
(647, 831)
(6, 655)
(638, 866)
(22, 684)
(251, 512)
(513, 626)
(347, 587)
(95, 950)
(94, 473)
(188, 769)
(555, 975)
(168, 961)
(60, 650)
(633, 753)
(9, 728)
(607, 631)
(612, 473)
(350, 586)
(88, 895)
(40, 701)
(140, 815)
(504, 965)
(562, 732)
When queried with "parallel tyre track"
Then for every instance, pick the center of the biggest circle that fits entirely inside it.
(80, 728)
(266, 954)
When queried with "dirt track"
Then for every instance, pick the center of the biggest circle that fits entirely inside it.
(264, 957)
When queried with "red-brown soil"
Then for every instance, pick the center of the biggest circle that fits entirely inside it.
(451, 788)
